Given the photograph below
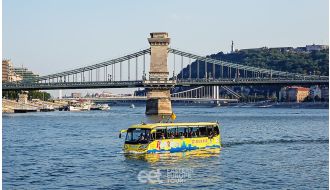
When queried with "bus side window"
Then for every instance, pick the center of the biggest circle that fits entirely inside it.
(191, 132)
(202, 132)
(216, 130)
(180, 132)
(147, 135)
(210, 130)
(185, 133)
(160, 133)
(153, 136)
(194, 132)
(171, 133)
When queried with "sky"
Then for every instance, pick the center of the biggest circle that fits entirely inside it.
(50, 36)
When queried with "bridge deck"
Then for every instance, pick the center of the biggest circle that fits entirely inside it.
(140, 83)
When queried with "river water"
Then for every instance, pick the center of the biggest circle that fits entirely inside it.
(263, 148)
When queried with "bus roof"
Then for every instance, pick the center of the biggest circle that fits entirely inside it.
(154, 125)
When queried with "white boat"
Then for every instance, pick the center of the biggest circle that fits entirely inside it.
(100, 107)
(75, 108)
(132, 106)
(47, 108)
(105, 107)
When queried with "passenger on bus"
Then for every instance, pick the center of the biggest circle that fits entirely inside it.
(211, 134)
(147, 136)
(198, 133)
(181, 135)
(190, 134)
(163, 136)
(141, 138)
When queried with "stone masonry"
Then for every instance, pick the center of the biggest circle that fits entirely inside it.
(158, 97)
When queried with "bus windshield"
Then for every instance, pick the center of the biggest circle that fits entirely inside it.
(138, 136)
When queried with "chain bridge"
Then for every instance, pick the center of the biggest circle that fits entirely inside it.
(149, 68)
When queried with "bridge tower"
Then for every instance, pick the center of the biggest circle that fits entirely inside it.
(158, 86)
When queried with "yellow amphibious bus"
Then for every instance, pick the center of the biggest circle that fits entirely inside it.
(171, 137)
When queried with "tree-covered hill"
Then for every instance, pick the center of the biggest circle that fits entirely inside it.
(315, 62)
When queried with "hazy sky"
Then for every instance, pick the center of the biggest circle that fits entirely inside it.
(49, 36)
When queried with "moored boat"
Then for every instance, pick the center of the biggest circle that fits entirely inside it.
(171, 137)
(79, 105)
(24, 110)
(74, 108)
(100, 107)
(48, 108)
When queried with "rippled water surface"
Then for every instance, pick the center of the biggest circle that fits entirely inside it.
(262, 149)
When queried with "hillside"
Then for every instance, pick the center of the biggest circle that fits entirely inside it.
(316, 62)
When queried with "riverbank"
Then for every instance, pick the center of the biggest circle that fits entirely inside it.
(8, 106)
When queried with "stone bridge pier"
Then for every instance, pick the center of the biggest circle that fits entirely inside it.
(158, 86)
